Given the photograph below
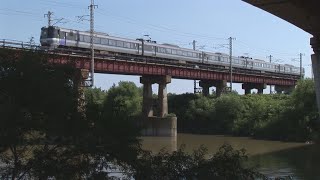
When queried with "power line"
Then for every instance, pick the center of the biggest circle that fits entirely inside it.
(156, 27)
(265, 50)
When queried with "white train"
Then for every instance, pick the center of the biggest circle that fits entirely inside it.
(67, 38)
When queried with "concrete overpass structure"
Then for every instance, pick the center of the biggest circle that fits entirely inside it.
(304, 14)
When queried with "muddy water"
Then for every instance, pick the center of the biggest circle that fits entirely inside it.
(275, 158)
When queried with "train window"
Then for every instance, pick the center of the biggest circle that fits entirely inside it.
(133, 45)
(126, 44)
(104, 41)
(120, 43)
(112, 42)
(87, 39)
(70, 36)
(174, 51)
(81, 38)
(168, 51)
(236, 61)
(44, 33)
(51, 32)
(179, 53)
(195, 55)
(96, 40)
(184, 53)
(189, 54)
(162, 50)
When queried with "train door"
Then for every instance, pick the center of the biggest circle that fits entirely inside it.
(203, 56)
(63, 38)
(77, 38)
(140, 49)
(251, 65)
(154, 50)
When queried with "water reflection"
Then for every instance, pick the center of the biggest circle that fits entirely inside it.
(276, 158)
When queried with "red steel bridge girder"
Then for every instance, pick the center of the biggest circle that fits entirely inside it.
(180, 72)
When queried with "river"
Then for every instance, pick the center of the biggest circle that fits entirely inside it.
(275, 158)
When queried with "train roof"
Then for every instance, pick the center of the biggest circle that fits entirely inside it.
(172, 45)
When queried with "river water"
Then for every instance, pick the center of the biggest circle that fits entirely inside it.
(275, 158)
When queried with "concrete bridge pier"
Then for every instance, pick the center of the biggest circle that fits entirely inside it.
(147, 101)
(163, 96)
(162, 124)
(206, 84)
(249, 86)
(315, 58)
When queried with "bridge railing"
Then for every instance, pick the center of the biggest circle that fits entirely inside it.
(18, 44)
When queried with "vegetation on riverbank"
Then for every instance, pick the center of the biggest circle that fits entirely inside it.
(278, 116)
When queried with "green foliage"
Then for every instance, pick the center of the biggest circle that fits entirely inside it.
(94, 98)
(199, 112)
(298, 117)
(123, 100)
(281, 117)
(229, 109)
(227, 163)
(39, 106)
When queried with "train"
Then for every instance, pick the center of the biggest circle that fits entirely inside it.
(58, 37)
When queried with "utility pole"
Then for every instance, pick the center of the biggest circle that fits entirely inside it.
(49, 15)
(301, 65)
(230, 58)
(195, 81)
(92, 7)
(270, 60)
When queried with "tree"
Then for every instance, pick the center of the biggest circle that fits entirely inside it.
(199, 114)
(39, 107)
(123, 100)
(43, 135)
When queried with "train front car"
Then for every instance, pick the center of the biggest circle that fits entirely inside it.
(49, 37)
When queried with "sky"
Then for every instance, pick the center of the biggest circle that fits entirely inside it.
(257, 33)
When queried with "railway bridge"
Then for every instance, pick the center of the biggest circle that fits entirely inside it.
(156, 70)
